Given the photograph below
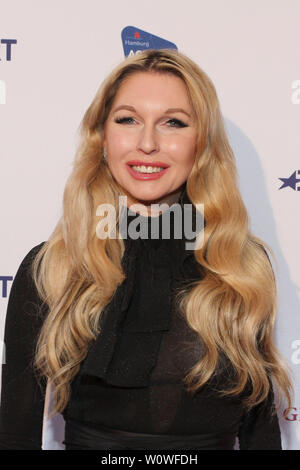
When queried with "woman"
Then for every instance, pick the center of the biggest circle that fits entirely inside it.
(147, 345)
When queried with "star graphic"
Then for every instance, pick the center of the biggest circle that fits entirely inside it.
(290, 182)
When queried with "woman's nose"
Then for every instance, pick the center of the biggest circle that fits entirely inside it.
(148, 140)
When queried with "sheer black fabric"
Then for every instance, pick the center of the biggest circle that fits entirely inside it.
(81, 437)
(131, 381)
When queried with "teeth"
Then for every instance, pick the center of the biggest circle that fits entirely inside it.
(147, 169)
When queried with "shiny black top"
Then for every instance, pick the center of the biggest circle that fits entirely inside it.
(132, 378)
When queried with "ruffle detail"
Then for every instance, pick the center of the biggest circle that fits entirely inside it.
(133, 324)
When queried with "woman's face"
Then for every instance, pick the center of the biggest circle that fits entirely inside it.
(150, 136)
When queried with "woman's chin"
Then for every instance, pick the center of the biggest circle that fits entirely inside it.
(158, 197)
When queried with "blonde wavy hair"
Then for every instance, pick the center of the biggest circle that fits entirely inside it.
(232, 308)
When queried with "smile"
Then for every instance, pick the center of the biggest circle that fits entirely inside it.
(147, 169)
(146, 172)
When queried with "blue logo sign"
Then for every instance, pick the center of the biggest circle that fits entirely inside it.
(136, 40)
(291, 181)
(8, 43)
(4, 280)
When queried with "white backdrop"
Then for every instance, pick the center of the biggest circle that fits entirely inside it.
(63, 50)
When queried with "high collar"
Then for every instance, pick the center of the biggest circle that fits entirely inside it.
(179, 223)
(141, 311)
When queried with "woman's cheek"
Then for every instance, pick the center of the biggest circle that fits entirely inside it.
(118, 144)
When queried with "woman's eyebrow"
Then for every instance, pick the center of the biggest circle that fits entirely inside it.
(170, 110)
(124, 106)
(177, 110)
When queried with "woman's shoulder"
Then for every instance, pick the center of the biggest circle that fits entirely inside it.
(30, 255)
(34, 251)
(25, 307)
(23, 276)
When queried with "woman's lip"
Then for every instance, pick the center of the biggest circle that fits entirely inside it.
(145, 176)
(139, 163)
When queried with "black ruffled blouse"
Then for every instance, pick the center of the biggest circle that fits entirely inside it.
(130, 385)
(140, 314)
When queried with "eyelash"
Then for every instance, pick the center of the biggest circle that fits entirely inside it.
(125, 120)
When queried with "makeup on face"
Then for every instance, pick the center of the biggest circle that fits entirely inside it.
(150, 136)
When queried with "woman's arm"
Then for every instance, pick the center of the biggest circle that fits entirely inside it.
(22, 395)
(260, 428)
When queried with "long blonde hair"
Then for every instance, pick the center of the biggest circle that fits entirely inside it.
(232, 308)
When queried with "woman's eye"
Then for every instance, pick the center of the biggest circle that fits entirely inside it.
(124, 120)
(130, 120)
(176, 123)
